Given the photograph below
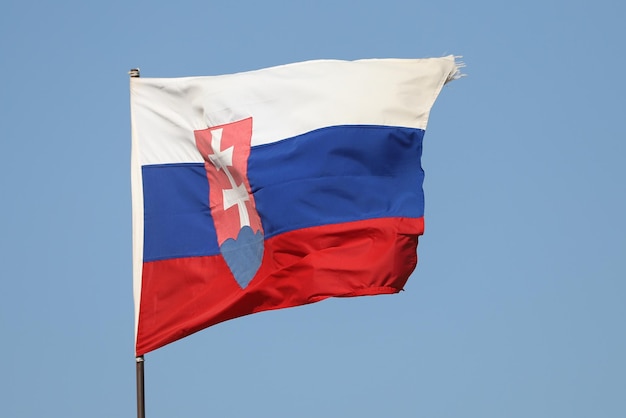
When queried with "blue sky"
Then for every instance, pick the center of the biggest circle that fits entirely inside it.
(516, 308)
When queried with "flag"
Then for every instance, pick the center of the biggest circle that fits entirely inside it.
(275, 188)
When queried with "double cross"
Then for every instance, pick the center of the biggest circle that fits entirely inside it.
(237, 194)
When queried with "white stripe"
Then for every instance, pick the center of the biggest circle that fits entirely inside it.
(283, 101)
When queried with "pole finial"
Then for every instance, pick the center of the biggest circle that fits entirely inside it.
(134, 72)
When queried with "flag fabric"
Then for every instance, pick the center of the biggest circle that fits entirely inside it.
(275, 188)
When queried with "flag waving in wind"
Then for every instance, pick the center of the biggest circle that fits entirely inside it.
(275, 188)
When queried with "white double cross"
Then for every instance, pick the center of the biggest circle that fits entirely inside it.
(237, 194)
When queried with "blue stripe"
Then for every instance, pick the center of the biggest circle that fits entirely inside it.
(331, 175)
(177, 219)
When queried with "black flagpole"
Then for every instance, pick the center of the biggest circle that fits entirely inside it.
(141, 399)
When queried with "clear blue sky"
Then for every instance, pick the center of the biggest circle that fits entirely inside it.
(516, 308)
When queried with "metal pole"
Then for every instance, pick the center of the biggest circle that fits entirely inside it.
(141, 400)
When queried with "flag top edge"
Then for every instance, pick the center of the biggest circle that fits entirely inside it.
(453, 58)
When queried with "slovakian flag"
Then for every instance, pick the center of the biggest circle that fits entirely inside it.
(275, 188)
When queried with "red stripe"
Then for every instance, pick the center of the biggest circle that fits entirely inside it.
(182, 296)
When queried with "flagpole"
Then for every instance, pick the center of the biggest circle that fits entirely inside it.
(141, 399)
